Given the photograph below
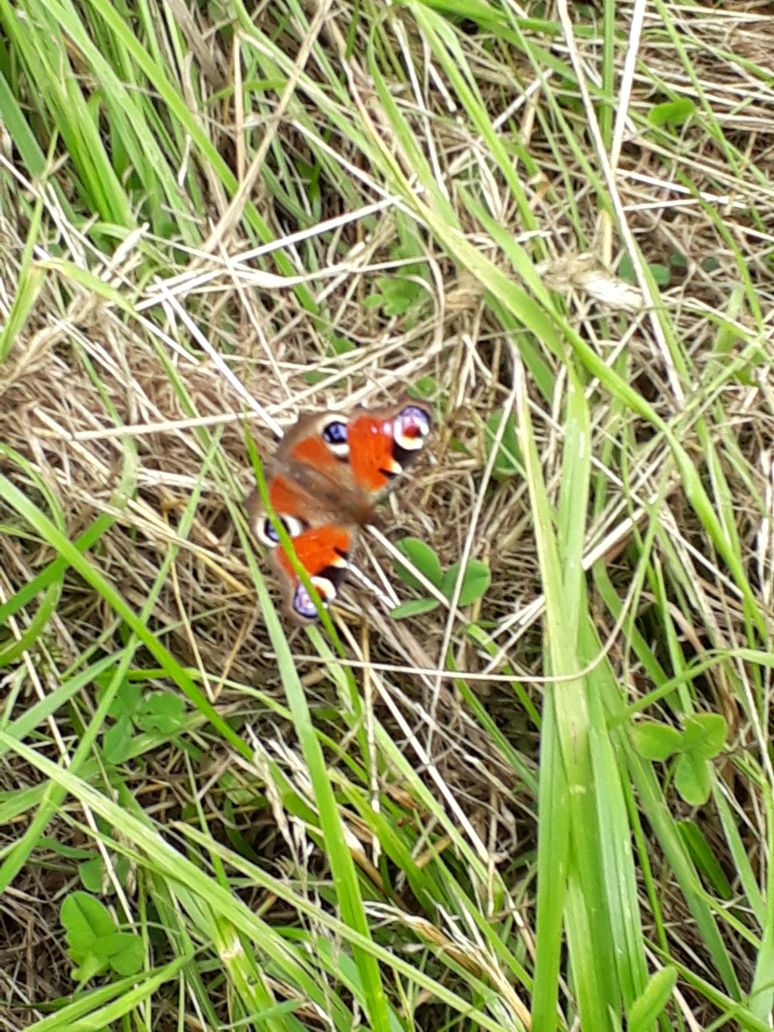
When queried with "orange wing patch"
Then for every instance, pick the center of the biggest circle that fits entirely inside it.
(317, 549)
(370, 452)
(286, 498)
(313, 451)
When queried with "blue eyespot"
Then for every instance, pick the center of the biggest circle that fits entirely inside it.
(302, 603)
(335, 433)
(270, 532)
(267, 532)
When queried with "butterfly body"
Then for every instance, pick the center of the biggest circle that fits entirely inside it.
(323, 482)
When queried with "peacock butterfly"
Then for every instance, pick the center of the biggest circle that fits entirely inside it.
(323, 482)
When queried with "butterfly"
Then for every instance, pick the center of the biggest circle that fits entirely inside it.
(328, 472)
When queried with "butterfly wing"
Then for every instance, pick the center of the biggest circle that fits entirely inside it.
(322, 483)
(324, 554)
(322, 548)
(382, 443)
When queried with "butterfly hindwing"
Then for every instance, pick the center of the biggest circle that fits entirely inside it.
(324, 554)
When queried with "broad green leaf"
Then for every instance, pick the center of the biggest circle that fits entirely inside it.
(678, 260)
(94, 940)
(655, 741)
(90, 872)
(672, 112)
(424, 388)
(127, 699)
(660, 273)
(705, 734)
(117, 741)
(414, 607)
(692, 779)
(398, 294)
(124, 951)
(85, 919)
(475, 581)
(341, 346)
(425, 560)
(160, 712)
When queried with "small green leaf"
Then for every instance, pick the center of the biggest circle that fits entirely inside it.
(650, 1004)
(84, 919)
(672, 112)
(126, 699)
(660, 274)
(341, 346)
(475, 581)
(94, 940)
(161, 713)
(424, 388)
(655, 741)
(90, 872)
(508, 460)
(124, 951)
(705, 734)
(117, 741)
(397, 294)
(424, 558)
(692, 779)
(626, 270)
(414, 607)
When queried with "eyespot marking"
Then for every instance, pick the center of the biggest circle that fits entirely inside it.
(267, 534)
(303, 605)
(334, 433)
(410, 428)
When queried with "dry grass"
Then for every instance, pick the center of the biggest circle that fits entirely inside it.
(110, 407)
